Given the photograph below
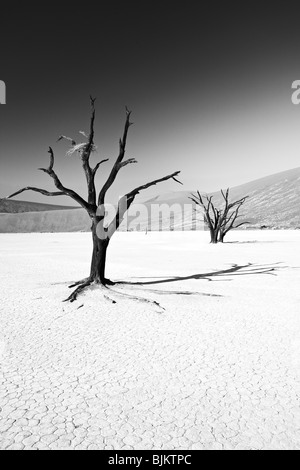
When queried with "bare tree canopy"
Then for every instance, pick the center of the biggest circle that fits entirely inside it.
(220, 221)
(101, 233)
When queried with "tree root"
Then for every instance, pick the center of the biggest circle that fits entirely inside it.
(139, 299)
(74, 295)
(83, 284)
(79, 283)
(106, 282)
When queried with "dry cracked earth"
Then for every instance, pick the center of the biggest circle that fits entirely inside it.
(204, 373)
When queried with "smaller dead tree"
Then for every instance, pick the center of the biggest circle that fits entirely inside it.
(231, 215)
(212, 216)
(219, 221)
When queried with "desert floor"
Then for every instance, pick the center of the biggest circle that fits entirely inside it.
(200, 351)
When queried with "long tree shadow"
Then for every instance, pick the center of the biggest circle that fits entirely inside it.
(221, 275)
(235, 270)
(237, 242)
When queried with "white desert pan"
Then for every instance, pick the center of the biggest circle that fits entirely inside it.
(201, 350)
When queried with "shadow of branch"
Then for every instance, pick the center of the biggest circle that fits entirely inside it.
(235, 270)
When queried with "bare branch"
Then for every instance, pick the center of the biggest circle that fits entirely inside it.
(117, 166)
(229, 219)
(127, 200)
(51, 165)
(59, 185)
(128, 162)
(85, 151)
(98, 166)
(198, 199)
(90, 143)
(195, 201)
(239, 202)
(37, 190)
(177, 181)
(240, 225)
(225, 195)
(136, 191)
(226, 220)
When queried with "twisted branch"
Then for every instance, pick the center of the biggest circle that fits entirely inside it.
(118, 164)
(127, 200)
(60, 186)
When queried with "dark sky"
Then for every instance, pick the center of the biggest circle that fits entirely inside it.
(209, 87)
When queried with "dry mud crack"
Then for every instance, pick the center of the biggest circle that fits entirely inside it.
(213, 371)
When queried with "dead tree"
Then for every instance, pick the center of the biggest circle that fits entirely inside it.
(212, 216)
(95, 203)
(219, 221)
(230, 215)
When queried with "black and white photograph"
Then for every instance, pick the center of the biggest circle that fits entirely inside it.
(150, 228)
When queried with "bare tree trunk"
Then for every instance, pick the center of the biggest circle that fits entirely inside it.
(98, 264)
(213, 236)
(221, 237)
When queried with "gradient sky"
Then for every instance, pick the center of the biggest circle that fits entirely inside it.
(209, 87)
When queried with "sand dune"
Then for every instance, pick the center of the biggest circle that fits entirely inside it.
(74, 220)
(10, 206)
(274, 201)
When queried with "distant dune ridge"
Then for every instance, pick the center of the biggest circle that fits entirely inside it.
(10, 206)
(274, 202)
(48, 221)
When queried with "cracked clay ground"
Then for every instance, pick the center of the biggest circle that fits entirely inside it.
(215, 367)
